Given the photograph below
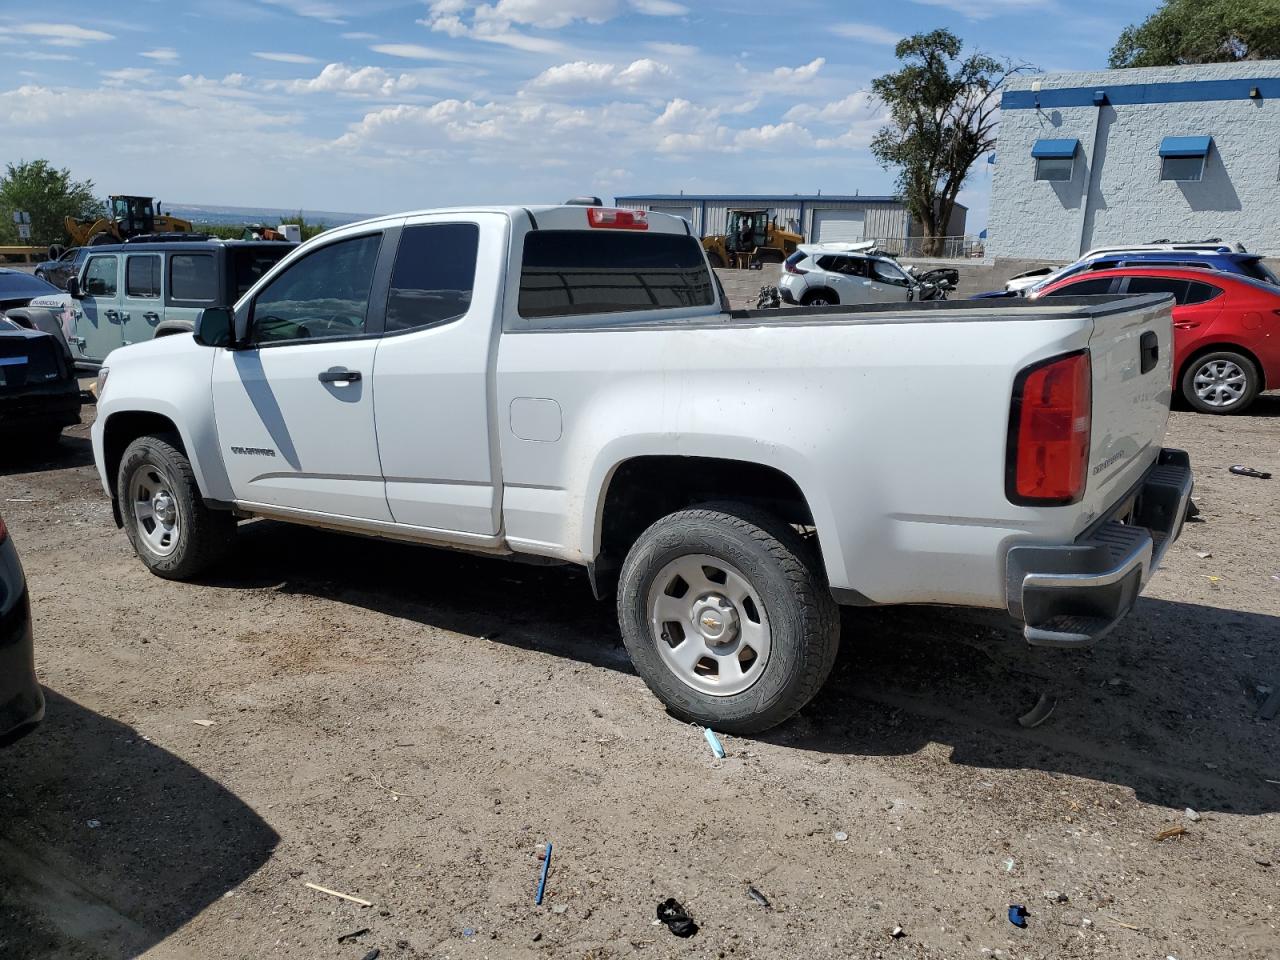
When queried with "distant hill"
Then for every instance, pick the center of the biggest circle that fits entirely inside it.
(233, 216)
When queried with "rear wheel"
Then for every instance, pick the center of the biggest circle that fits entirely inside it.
(819, 298)
(727, 617)
(1221, 382)
(171, 529)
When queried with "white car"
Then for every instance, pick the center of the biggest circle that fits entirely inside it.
(566, 383)
(1043, 276)
(820, 275)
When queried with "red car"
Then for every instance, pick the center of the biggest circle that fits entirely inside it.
(1226, 329)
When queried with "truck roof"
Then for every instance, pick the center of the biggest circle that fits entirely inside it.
(186, 246)
(544, 216)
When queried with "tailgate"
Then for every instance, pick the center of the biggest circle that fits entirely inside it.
(1131, 349)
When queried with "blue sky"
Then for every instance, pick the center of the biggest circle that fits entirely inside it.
(375, 105)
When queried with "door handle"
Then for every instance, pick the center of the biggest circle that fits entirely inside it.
(112, 314)
(151, 316)
(1149, 347)
(338, 376)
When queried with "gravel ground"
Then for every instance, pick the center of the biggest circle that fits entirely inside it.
(405, 725)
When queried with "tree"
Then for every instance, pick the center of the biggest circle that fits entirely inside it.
(49, 195)
(1201, 31)
(943, 118)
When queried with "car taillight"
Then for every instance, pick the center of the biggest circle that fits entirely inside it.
(1049, 432)
(792, 268)
(611, 219)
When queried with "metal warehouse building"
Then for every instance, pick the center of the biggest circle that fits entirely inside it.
(815, 217)
(1133, 156)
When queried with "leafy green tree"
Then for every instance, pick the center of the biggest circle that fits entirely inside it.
(49, 195)
(942, 112)
(1201, 31)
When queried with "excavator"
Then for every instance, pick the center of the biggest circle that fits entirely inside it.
(128, 217)
(752, 237)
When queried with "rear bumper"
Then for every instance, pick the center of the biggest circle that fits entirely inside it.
(40, 408)
(1072, 595)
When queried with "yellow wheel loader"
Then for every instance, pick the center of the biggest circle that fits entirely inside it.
(128, 217)
(752, 237)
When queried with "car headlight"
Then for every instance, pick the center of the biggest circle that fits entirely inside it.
(100, 385)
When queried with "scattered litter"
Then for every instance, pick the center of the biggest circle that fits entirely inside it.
(1018, 915)
(1086, 922)
(1041, 712)
(716, 747)
(337, 893)
(1174, 831)
(1054, 896)
(353, 934)
(1213, 579)
(1211, 766)
(203, 723)
(1203, 554)
(1121, 923)
(840, 836)
(1008, 865)
(372, 954)
(897, 933)
(468, 931)
(538, 936)
(1191, 815)
(559, 908)
(1242, 471)
(1277, 782)
(678, 921)
(18, 500)
(544, 854)
(93, 824)
(758, 897)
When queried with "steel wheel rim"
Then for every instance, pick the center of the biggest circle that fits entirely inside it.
(157, 516)
(709, 625)
(1220, 383)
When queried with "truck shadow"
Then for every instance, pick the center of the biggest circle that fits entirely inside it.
(1167, 705)
(108, 843)
(70, 451)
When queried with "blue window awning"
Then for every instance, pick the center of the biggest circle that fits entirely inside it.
(1055, 149)
(1185, 146)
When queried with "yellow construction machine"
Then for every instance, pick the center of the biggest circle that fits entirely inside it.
(127, 217)
(751, 236)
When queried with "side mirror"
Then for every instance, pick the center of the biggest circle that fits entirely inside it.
(215, 327)
(73, 288)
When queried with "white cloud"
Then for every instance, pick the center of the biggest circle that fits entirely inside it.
(359, 35)
(161, 54)
(495, 22)
(659, 8)
(285, 57)
(672, 49)
(986, 9)
(313, 9)
(41, 55)
(582, 77)
(413, 51)
(799, 74)
(868, 32)
(772, 136)
(126, 76)
(858, 105)
(61, 34)
(358, 81)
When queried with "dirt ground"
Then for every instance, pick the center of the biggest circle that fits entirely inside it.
(405, 725)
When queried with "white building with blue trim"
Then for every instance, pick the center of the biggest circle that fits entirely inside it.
(1135, 156)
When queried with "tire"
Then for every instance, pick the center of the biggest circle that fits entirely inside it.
(198, 537)
(819, 298)
(715, 260)
(776, 627)
(1222, 382)
(56, 250)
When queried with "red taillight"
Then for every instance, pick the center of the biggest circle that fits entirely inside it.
(1049, 432)
(612, 219)
(792, 268)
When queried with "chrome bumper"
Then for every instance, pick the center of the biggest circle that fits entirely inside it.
(1072, 595)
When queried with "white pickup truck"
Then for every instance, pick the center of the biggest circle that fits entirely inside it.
(567, 383)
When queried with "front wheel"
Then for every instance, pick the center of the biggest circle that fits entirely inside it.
(1221, 382)
(727, 617)
(174, 534)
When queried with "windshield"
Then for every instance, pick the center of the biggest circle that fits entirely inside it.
(14, 284)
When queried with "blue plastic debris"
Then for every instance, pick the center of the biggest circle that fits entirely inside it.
(1018, 915)
(542, 879)
(712, 739)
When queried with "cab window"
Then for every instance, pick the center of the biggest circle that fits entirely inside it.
(100, 277)
(142, 276)
(888, 273)
(193, 277)
(323, 296)
(1083, 288)
(434, 275)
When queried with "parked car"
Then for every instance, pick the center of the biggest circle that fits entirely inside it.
(1226, 328)
(21, 699)
(129, 292)
(17, 289)
(819, 275)
(62, 269)
(39, 393)
(565, 383)
(1023, 282)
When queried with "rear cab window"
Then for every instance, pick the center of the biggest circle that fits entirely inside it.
(193, 278)
(576, 273)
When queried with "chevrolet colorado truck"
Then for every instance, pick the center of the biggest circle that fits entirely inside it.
(566, 383)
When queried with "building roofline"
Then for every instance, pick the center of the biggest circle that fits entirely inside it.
(762, 198)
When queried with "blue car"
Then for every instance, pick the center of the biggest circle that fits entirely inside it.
(1242, 264)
